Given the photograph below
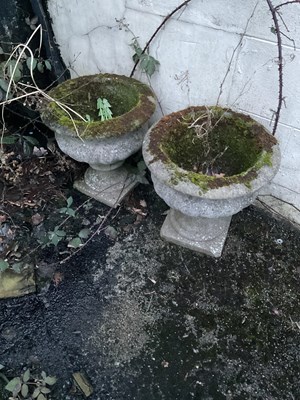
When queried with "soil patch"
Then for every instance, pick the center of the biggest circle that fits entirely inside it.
(144, 319)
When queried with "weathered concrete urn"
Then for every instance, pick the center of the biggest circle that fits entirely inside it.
(104, 145)
(207, 163)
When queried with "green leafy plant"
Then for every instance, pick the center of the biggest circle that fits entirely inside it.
(71, 237)
(52, 237)
(68, 209)
(148, 64)
(13, 68)
(77, 241)
(4, 265)
(30, 387)
(26, 142)
(103, 108)
(139, 170)
(15, 266)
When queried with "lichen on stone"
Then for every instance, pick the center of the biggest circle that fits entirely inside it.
(132, 104)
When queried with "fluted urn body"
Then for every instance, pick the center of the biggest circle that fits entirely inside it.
(103, 144)
(208, 163)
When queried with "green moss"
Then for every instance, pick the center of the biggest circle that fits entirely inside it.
(132, 103)
(200, 180)
(236, 146)
(231, 138)
(265, 159)
(206, 182)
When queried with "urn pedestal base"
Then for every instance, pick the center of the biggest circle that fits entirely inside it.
(204, 235)
(107, 184)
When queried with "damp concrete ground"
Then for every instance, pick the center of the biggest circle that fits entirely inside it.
(147, 320)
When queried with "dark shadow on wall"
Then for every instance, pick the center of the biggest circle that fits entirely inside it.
(14, 29)
(60, 71)
(15, 17)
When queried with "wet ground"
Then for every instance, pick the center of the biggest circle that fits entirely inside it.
(145, 320)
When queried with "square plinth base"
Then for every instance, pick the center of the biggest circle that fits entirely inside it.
(211, 247)
(111, 195)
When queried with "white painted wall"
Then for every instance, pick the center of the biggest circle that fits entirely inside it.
(194, 50)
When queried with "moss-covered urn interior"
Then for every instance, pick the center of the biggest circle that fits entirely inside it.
(211, 146)
(132, 104)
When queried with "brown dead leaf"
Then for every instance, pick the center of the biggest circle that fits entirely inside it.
(37, 218)
(139, 219)
(139, 211)
(2, 218)
(57, 278)
(143, 203)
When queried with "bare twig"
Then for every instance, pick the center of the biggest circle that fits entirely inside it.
(274, 13)
(20, 50)
(284, 201)
(276, 16)
(185, 3)
(234, 51)
(287, 3)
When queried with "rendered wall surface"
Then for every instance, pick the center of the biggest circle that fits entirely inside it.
(194, 50)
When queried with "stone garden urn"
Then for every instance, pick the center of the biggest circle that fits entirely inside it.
(103, 144)
(207, 163)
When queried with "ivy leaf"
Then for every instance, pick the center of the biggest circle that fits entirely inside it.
(36, 393)
(71, 212)
(141, 179)
(75, 243)
(24, 390)
(50, 380)
(41, 397)
(26, 375)
(14, 72)
(84, 233)
(148, 64)
(3, 265)
(69, 201)
(135, 58)
(40, 67)
(34, 20)
(56, 236)
(31, 140)
(48, 65)
(4, 84)
(13, 385)
(59, 232)
(137, 48)
(45, 390)
(273, 30)
(54, 239)
(68, 211)
(34, 63)
(9, 139)
(17, 267)
(141, 166)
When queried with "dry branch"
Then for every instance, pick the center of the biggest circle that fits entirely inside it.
(185, 3)
(275, 18)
